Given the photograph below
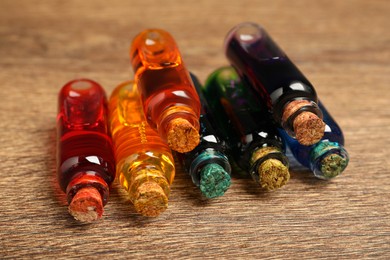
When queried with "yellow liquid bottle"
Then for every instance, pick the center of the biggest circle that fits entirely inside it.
(144, 162)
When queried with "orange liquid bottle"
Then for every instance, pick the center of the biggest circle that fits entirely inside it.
(170, 101)
(144, 162)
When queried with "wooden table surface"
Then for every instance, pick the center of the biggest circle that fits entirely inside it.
(343, 47)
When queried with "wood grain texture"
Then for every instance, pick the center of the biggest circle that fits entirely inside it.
(342, 46)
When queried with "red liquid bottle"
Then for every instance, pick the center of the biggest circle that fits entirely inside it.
(170, 101)
(85, 161)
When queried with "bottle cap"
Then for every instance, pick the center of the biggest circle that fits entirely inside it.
(214, 180)
(307, 127)
(150, 199)
(182, 135)
(333, 165)
(273, 174)
(86, 205)
(329, 159)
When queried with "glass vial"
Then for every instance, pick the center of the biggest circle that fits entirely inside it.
(85, 161)
(170, 102)
(144, 162)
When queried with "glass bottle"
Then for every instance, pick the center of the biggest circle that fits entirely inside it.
(247, 126)
(144, 162)
(208, 164)
(170, 102)
(327, 158)
(290, 97)
(85, 161)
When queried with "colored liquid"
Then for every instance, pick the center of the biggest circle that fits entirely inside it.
(85, 154)
(166, 89)
(257, 57)
(141, 155)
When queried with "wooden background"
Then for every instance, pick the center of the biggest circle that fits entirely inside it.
(342, 46)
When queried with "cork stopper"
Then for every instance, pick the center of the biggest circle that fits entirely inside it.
(150, 199)
(86, 205)
(273, 174)
(308, 127)
(182, 135)
(214, 180)
(333, 165)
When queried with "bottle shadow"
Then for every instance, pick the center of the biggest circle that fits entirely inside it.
(122, 210)
(249, 186)
(304, 175)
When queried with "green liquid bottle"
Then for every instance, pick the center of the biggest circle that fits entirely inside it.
(248, 128)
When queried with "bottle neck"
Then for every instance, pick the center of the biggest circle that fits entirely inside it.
(207, 156)
(86, 179)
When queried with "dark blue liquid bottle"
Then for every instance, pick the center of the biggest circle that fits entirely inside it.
(327, 158)
(251, 133)
(208, 164)
(288, 94)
